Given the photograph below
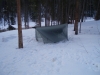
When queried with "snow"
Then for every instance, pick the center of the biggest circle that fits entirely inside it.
(80, 55)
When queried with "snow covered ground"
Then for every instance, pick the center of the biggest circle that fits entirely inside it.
(78, 56)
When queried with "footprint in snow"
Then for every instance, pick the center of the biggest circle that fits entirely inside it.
(54, 59)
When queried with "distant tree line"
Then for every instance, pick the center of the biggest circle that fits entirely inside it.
(58, 11)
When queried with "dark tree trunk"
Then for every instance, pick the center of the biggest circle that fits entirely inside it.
(97, 17)
(46, 13)
(39, 12)
(20, 39)
(82, 14)
(26, 20)
(46, 17)
(63, 17)
(76, 17)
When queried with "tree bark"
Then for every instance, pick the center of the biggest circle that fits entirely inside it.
(97, 17)
(20, 39)
(76, 17)
(39, 12)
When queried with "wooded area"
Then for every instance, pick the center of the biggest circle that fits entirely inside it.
(61, 11)
(55, 12)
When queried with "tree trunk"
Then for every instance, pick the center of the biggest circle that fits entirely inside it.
(82, 15)
(76, 17)
(63, 11)
(39, 12)
(26, 20)
(46, 6)
(20, 39)
(97, 17)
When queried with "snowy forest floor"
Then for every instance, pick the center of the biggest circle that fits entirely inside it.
(80, 55)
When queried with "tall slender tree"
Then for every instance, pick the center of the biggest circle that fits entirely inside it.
(97, 17)
(76, 17)
(82, 14)
(20, 39)
(26, 17)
